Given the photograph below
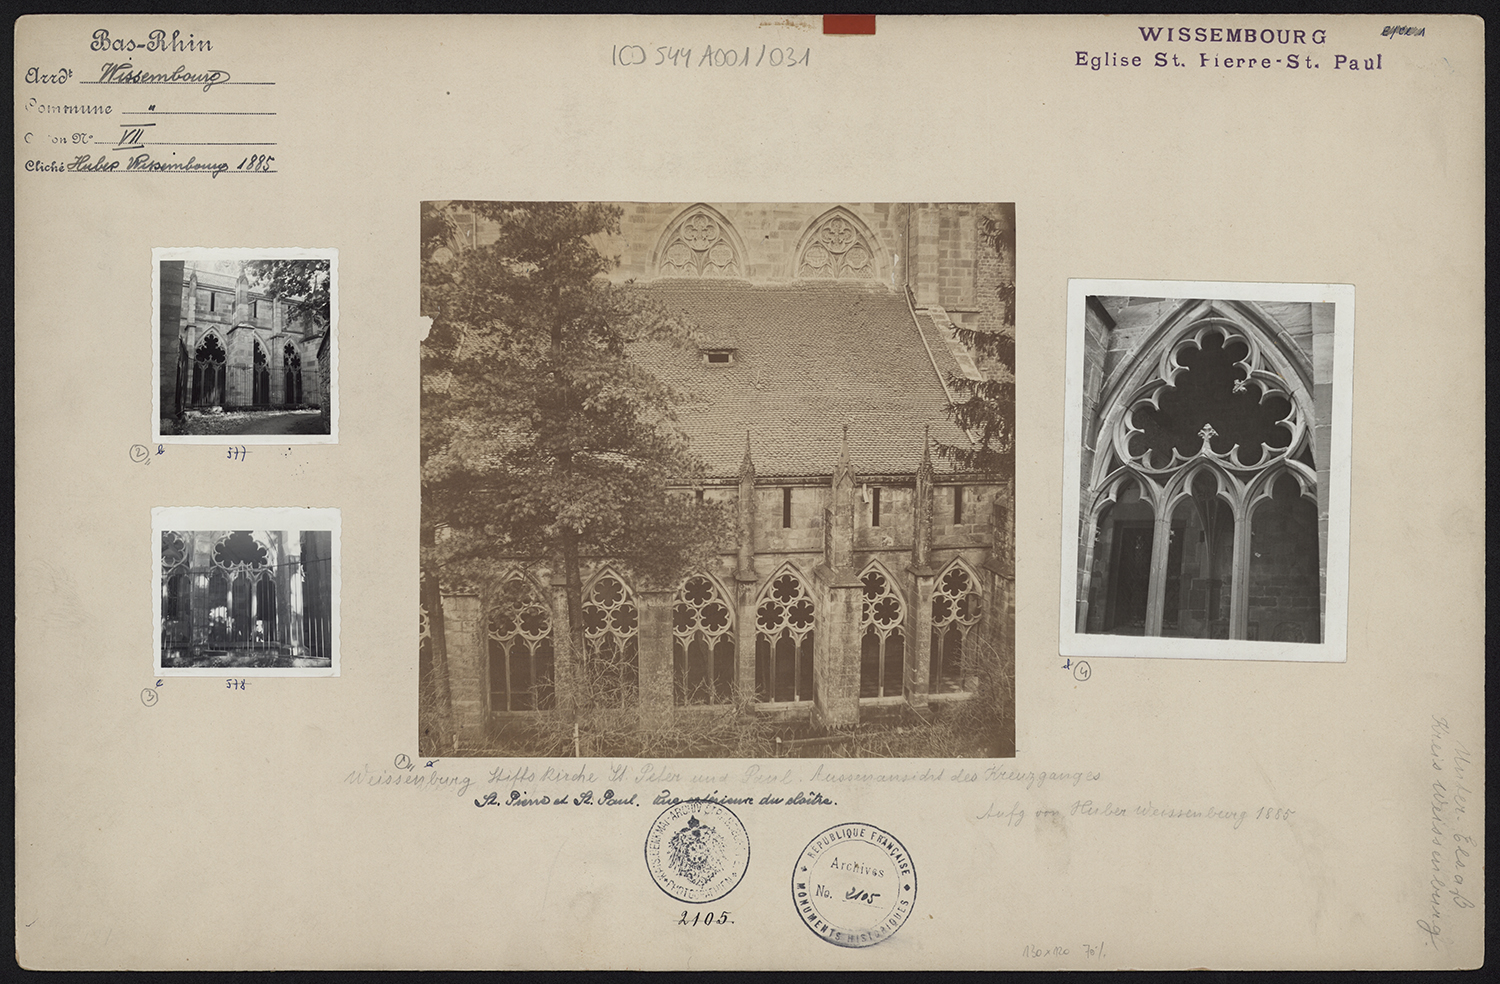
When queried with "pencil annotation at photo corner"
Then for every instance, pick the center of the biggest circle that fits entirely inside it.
(1285, 48)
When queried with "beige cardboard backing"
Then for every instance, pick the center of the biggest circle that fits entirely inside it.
(225, 828)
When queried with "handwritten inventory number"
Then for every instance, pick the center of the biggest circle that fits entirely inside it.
(236, 684)
(629, 55)
(705, 919)
(256, 162)
(1081, 671)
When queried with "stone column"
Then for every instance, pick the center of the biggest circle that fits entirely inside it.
(200, 564)
(169, 332)
(289, 597)
(468, 666)
(919, 622)
(1322, 326)
(836, 636)
(654, 648)
(745, 586)
(242, 298)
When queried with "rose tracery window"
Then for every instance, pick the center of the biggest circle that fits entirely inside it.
(702, 644)
(519, 629)
(784, 640)
(1206, 468)
(882, 638)
(956, 607)
(700, 245)
(611, 625)
(837, 250)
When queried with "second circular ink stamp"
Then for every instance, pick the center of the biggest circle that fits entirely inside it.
(854, 885)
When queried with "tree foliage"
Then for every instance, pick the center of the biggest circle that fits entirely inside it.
(541, 437)
(305, 284)
(986, 408)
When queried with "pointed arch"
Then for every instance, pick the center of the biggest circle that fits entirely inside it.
(957, 604)
(838, 245)
(611, 649)
(518, 627)
(210, 355)
(699, 242)
(703, 642)
(785, 619)
(260, 374)
(291, 370)
(1207, 411)
(883, 620)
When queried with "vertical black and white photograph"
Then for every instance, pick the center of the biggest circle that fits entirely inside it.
(717, 480)
(246, 592)
(1207, 468)
(246, 346)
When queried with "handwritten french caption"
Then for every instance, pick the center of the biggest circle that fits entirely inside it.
(1454, 877)
(526, 784)
(708, 56)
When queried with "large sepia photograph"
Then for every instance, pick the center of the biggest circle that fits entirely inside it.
(717, 480)
(1209, 470)
(245, 348)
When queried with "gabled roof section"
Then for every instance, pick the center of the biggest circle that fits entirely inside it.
(809, 357)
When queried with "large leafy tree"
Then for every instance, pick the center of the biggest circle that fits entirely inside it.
(986, 407)
(541, 437)
(305, 284)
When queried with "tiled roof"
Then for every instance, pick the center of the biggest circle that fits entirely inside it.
(809, 357)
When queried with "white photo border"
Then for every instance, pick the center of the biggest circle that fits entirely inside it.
(1334, 645)
(290, 519)
(220, 254)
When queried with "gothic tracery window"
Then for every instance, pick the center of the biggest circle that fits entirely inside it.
(837, 249)
(175, 577)
(208, 372)
(611, 624)
(956, 607)
(784, 640)
(702, 644)
(291, 368)
(243, 578)
(699, 245)
(1204, 475)
(519, 629)
(882, 638)
(260, 378)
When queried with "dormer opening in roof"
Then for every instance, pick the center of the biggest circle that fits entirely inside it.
(718, 356)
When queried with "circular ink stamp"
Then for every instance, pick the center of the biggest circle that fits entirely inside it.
(697, 852)
(854, 885)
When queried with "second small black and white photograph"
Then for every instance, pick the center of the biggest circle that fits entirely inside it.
(1207, 470)
(246, 347)
(248, 592)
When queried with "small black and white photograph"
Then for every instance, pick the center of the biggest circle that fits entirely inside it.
(246, 592)
(1209, 470)
(246, 346)
(717, 480)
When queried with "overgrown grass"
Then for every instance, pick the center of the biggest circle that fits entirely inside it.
(609, 725)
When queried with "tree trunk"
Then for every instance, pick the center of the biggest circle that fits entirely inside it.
(432, 600)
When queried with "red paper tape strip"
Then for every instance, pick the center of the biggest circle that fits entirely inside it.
(848, 23)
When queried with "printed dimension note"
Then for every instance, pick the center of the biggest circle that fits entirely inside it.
(167, 102)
